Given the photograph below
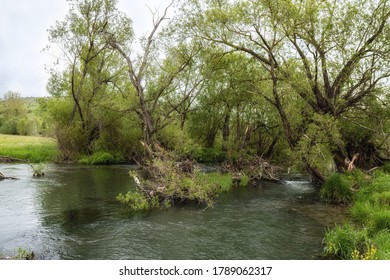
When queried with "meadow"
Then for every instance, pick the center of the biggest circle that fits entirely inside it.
(30, 148)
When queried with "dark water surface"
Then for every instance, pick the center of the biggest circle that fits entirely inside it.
(71, 213)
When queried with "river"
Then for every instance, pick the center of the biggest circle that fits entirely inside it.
(71, 213)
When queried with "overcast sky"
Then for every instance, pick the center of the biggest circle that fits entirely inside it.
(23, 34)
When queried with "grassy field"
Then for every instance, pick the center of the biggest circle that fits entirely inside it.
(30, 148)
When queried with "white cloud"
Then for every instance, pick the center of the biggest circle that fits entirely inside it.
(23, 35)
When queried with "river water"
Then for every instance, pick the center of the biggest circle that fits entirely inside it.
(71, 213)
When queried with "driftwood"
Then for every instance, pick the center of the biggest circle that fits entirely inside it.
(7, 159)
(255, 168)
(3, 177)
(350, 164)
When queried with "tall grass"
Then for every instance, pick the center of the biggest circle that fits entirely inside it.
(31, 148)
(369, 235)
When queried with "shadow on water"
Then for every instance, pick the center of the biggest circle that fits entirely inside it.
(71, 213)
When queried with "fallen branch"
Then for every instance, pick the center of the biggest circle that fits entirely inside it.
(3, 177)
(36, 171)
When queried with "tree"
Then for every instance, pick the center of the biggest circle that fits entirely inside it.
(93, 76)
(341, 47)
(13, 106)
(162, 83)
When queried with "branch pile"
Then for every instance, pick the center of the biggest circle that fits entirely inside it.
(255, 168)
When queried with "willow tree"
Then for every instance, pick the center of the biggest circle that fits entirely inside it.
(87, 71)
(161, 75)
(330, 55)
(344, 53)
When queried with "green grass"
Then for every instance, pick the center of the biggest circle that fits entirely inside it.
(368, 237)
(30, 148)
(223, 181)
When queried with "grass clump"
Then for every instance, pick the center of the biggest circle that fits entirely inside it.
(345, 242)
(337, 189)
(340, 188)
(30, 148)
(369, 236)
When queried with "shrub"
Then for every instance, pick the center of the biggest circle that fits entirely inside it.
(10, 127)
(134, 200)
(21, 127)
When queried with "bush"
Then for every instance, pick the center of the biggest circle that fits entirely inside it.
(337, 189)
(10, 127)
(135, 201)
(21, 127)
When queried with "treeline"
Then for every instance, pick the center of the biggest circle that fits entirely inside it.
(20, 116)
(302, 83)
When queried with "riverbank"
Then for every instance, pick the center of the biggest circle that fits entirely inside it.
(366, 236)
(34, 149)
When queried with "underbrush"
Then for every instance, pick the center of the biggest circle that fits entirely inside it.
(169, 182)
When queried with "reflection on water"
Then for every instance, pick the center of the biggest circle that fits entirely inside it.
(71, 213)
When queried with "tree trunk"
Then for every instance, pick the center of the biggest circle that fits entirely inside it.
(225, 132)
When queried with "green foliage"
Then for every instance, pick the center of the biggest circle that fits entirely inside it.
(337, 189)
(382, 241)
(100, 158)
(167, 184)
(21, 127)
(315, 146)
(386, 167)
(135, 201)
(10, 127)
(244, 180)
(343, 242)
(223, 181)
(207, 155)
(371, 215)
(24, 255)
